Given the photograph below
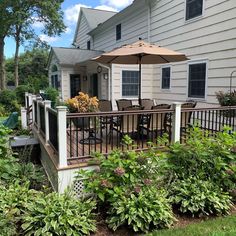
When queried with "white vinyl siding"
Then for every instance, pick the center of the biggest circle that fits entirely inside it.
(211, 37)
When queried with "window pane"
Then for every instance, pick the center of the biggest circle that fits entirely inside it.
(118, 32)
(197, 80)
(193, 8)
(165, 78)
(130, 83)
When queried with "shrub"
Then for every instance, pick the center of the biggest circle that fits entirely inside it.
(51, 94)
(9, 100)
(205, 156)
(143, 208)
(226, 98)
(130, 179)
(4, 141)
(3, 111)
(200, 197)
(57, 214)
(20, 93)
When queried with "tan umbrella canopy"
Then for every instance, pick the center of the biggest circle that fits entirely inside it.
(140, 53)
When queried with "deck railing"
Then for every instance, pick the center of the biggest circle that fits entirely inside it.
(53, 128)
(103, 132)
(74, 137)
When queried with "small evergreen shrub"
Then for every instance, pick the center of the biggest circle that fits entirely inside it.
(56, 214)
(9, 100)
(20, 93)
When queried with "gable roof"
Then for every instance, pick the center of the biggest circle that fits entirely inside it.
(72, 56)
(94, 17)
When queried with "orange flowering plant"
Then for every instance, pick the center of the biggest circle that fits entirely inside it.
(82, 103)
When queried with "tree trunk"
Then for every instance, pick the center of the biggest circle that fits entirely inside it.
(16, 59)
(2, 64)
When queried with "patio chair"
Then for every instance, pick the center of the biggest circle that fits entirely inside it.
(123, 103)
(156, 122)
(128, 124)
(186, 116)
(147, 104)
(105, 106)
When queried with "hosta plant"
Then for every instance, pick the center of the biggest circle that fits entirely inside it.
(197, 196)
(142, 208)
(56, 214)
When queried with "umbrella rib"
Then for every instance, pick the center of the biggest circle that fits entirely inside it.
(164, 59)
(112, 59)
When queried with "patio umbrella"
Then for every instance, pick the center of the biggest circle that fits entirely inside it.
(140, 53)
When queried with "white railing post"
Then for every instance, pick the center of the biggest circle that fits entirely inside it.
(34, 98)
(26, 100)
(47, 104)
(23, 112)
(176, 122)
(39, 100)
(61, 135)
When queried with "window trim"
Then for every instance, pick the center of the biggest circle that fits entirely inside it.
(193, 62)
(194, 18)
(120, 32)
(127, 97)
(162, 67)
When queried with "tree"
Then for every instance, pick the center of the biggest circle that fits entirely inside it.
(24, 13)
(6, 20)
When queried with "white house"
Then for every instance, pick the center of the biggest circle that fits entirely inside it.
(205, 30)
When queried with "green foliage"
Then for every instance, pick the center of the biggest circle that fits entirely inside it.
(14, 200)
(57, 214)
(143, 209)
(200, 197)
(125, 178)
(9, 100)
(3, 111)
(52, 95)
(4, 140)
(226, 98)
(205, 156)
(20, 93)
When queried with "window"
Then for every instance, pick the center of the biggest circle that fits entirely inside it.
(130, 83)
(194, 8)
(55, 82)
(197, 80)
(118, 32)
(165, 80)
(88, 45)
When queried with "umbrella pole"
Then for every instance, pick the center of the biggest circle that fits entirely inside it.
(139, 84)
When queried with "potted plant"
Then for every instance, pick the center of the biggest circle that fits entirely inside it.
(227, 99)
(82, 104)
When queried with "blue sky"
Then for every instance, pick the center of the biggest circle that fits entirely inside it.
(71, 10)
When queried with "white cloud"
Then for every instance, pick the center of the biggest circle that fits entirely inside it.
(47, 38)
(68, 30)
(72, 13)
(116, 4)
(106, 8)
(38, 25)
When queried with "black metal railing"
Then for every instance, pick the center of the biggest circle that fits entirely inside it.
(35, 112)
(53, 128)
(211, 120)
(42, 119)
(103, 132)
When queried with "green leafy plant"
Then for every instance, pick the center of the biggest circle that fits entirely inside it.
(200, 197)
(143, 208)
(128, 178)
(4, 141)
(226, 98)
(20, 93)
(56, 214)
(205, 156)
(13, 201)
(52, 95)
(9, 100)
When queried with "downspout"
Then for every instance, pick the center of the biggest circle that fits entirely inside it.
(109, 80)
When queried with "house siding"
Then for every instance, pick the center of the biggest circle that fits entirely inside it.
(211, 37)
(82, 36)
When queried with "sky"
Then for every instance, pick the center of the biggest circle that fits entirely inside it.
(71, 11)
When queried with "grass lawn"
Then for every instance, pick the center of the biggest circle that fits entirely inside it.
(223, 226)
